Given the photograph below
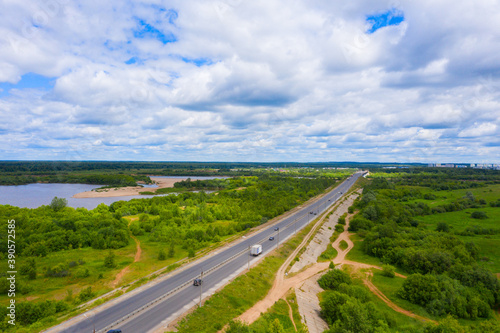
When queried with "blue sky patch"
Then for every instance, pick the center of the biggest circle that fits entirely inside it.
(146, 30)
(131, 61)
(390, 17)
(197, 61)
(28, 81)
(135, 60)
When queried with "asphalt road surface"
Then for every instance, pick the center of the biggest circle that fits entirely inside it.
(153, 316)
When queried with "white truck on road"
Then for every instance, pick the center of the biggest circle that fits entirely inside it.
(255, 250)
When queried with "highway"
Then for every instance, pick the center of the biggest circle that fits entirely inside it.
(228, 261)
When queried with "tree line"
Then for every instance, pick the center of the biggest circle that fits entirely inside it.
(190, 221)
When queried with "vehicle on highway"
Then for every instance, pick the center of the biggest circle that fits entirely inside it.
(147, 320)
(271, 238)
(276, 229)
(114, 331)
(197, 282)
(255, 250)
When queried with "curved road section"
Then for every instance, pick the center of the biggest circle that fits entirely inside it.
(150, 308)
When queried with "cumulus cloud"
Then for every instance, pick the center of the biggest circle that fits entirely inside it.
(250, 81)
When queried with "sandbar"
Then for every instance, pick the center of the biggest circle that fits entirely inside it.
(131, 190)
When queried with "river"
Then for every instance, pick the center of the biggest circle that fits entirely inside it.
(36, 195)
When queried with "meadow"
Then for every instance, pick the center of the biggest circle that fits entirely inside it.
(424, 225)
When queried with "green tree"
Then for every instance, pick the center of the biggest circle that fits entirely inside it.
(109, 260)
(354, 317)
(442, 227)
(85, 295)
(171, 250)
(82, 273)
(29, 268)
(479, 215)
(469, 196)
(58, 203)
(330, 306)
(339, 228)
(276, 327)
(162, 255)
(333, 278)
(388, 270)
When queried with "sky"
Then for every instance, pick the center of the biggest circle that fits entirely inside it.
(256, 81)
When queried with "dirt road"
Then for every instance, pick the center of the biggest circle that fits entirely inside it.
(282, 285)
(137, 257)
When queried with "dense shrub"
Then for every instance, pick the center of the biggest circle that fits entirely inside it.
(333, 279)
(388, 270)
(59, 270)
(360, 223)
(109, 260)
(442, 227)
(82, 273)
(30, 312)
(85, 295)
(442, 295)
(478, 215)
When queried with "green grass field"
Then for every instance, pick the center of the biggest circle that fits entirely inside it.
(489, 249)
(460, 220)
(489, 193)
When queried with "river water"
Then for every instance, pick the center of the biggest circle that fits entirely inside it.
(36, 195)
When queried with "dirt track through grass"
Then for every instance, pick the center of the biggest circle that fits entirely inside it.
(282, 285)
(137, 257)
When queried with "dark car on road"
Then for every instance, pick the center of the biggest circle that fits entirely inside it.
(114, 331)
(197, 282)
(276, 229)
(271, 238)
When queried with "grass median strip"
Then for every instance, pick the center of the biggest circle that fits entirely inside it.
(242, 293)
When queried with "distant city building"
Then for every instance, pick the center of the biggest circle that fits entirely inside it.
(471, 165)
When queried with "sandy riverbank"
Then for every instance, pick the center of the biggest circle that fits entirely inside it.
(131, 190)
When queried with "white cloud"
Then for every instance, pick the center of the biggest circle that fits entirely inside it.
(479, 130)
(253, 80)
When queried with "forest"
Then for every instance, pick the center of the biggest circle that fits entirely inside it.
(409, 220)
(180, 224)
(128, 173)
